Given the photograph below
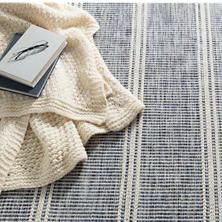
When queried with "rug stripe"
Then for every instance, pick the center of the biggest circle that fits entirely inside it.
(134, 126)
(139, 145)
(124, 161)
(208, 115)
(215, 117)
(201, 115)
(49, 202)
(33, 204)
(41, 203)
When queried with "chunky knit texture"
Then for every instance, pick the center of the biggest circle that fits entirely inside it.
(43, 139)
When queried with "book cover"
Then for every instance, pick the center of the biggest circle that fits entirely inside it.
(28, 59)
(12, 86)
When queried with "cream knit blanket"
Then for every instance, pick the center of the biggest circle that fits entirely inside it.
(43, 139)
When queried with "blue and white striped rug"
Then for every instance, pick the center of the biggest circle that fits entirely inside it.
(167, 166)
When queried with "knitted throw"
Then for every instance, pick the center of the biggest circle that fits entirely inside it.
(43, 139)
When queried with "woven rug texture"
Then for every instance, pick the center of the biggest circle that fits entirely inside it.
(167, 165)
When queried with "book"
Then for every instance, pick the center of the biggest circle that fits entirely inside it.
(28, 59)
(12, 86)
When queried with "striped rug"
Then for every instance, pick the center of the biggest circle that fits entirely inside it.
(167, 166)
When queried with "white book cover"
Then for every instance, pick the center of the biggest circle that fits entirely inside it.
(29, 58)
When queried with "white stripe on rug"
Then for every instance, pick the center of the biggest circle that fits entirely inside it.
(201, 114)
(41, 204)
(138, 158)
(208, 115)
(33, 204)
(124, 161)
(49, 202)
(215, 117)
(134, 126)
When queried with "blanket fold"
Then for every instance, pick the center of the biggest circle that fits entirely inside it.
(43, 139)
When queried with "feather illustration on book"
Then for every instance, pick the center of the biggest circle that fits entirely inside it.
(25, 52)
(31, 56)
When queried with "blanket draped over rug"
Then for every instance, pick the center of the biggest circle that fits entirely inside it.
(43, 139)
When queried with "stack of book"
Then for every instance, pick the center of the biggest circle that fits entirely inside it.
(29, 59)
